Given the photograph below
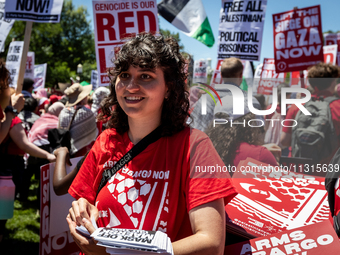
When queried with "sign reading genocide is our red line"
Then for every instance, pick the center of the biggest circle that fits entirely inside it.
(114, 22)
(297, 39)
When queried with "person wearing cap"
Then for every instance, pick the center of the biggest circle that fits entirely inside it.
(83, 129)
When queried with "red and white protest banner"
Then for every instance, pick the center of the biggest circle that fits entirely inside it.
(200, 71)
(330, 53)
(297, 39)
(55, 237)
(257, 77)
(216, 77)
(273, 199)
(315, 239)
(269, 79)
(330, 39)
(39, 76)
(30, 61)
(298, 79)
(115, 20)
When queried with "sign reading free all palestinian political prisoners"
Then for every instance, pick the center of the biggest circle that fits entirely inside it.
(116, 20)
(297, 39)
(241, 28)
(42, 11)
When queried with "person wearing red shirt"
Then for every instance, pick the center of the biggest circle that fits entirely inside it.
(323, 78)
(159, 188)
(323, 88)
(11, 105)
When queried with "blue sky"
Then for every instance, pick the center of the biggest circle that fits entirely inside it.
(330, 18)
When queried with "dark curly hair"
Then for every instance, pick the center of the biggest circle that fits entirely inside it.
(149, 51)
(227, 139)
(5, 77)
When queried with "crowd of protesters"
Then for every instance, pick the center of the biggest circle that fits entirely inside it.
(27, 117)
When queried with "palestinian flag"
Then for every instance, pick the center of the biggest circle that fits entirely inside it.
(188, 16)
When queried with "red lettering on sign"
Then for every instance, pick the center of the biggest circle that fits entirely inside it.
(109, 22)
(104, 78)
(102, 60)
(328, 58)
(123, 24)
(141, 21)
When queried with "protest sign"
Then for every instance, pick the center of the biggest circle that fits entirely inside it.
(94, 79)
(42, 11)
(39, 76)
(241, 29)
(269, 79)
(315, 239)
(274, 199)
(297, 39)
(330, 53)
(216, 77)
(298, 79)
(330, 39)
(5, 25)
(116, 20)
(13, 60)
(257, 77)
(55, 237)
(30, 61)
(200, 71)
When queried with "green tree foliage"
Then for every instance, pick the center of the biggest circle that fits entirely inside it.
(61, 45)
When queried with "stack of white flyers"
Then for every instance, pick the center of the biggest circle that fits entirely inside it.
(133, 241)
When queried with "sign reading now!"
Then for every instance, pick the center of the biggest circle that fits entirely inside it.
(42, 11)
(115, 21)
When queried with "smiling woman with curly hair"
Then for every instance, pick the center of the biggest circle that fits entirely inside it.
(154, 190)
(149, 54)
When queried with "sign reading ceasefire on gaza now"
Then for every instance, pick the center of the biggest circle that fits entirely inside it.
(297, 39)
(115, 21)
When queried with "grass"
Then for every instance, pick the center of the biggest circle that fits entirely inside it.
(22, 231)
